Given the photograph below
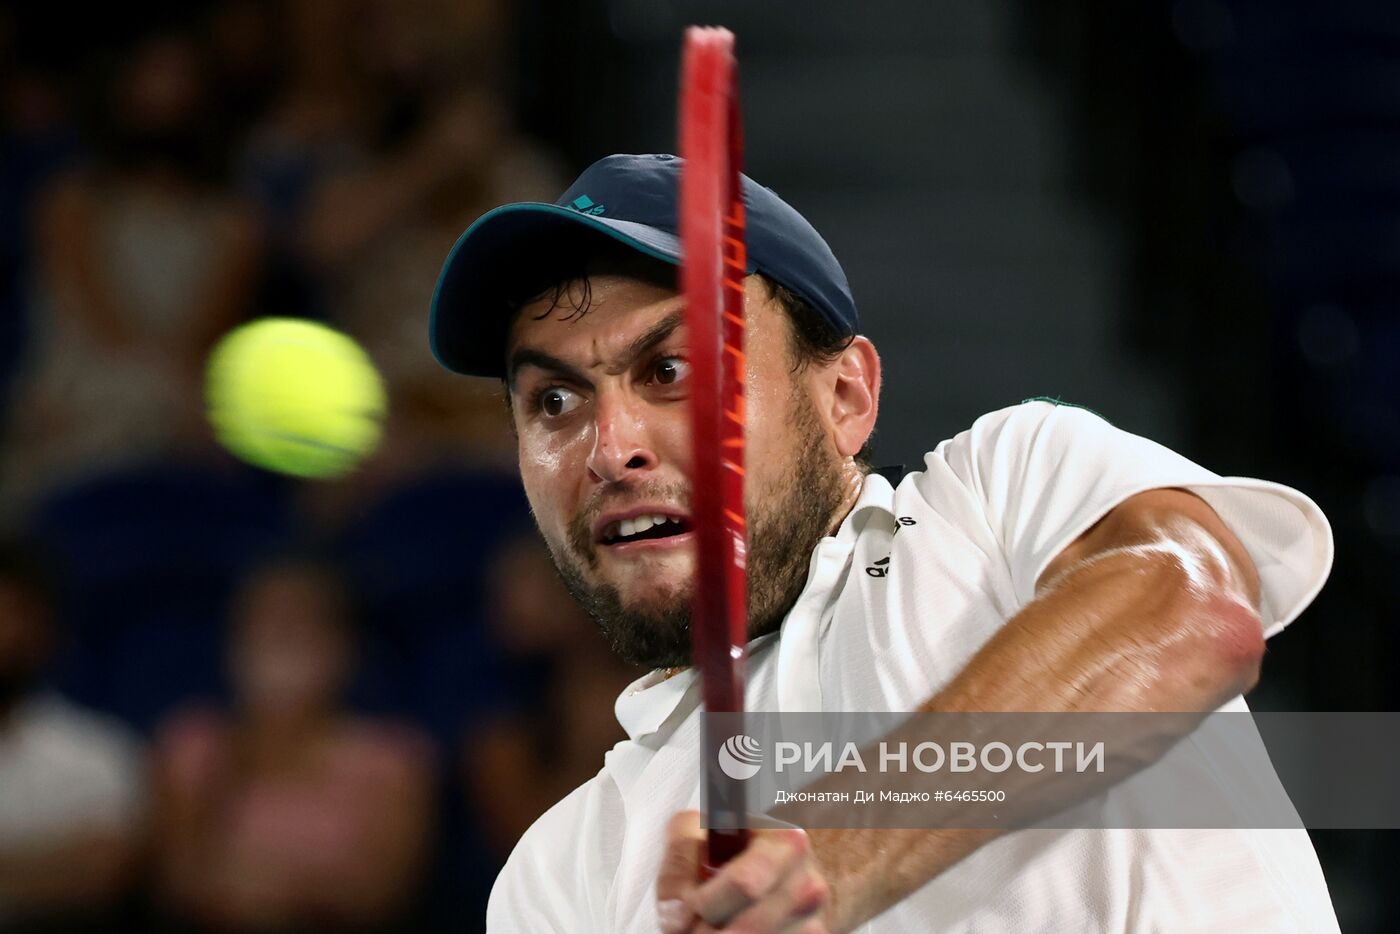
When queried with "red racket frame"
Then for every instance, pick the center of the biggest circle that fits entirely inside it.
(712, 277)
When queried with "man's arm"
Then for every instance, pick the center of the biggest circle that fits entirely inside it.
(1154, 608)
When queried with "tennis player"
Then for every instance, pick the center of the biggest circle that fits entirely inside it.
(1040, 560)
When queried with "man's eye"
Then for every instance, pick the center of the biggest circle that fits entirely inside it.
(670, 370)
(556, 401)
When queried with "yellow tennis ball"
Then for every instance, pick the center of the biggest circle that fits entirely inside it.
(294, 396)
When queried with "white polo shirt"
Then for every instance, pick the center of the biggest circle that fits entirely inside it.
(66, 772)
(914, 582)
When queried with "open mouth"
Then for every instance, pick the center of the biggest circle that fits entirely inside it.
(644, 528)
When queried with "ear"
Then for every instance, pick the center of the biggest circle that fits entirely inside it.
(854, 380)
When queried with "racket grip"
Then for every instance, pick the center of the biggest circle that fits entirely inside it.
(721, 847)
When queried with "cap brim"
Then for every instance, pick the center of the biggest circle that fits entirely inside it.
(503, 255)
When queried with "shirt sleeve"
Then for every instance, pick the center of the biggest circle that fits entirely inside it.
(1043, 473)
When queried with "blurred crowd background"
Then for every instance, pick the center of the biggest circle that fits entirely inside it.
(234, 702)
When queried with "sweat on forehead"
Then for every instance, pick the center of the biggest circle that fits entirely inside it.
(573, 288)
(613, 358)
(570, 288)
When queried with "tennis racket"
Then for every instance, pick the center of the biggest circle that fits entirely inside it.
(712, 278)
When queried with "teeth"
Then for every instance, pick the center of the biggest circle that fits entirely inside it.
(626, 528)
(630, 527)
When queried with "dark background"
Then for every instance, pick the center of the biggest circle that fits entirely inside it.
(1184, 215)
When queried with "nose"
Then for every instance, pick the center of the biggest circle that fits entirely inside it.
(620, 446)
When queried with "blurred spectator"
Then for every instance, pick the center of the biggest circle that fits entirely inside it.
(289, 811)
(37, 140)
(72, 791)
(383, 295)
(143, 262)
(379, 110)
(389, 139)
(518, 764)
(245, 52)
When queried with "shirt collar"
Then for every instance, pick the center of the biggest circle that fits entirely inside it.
(646, 704)
(798, 687)
(876, 493)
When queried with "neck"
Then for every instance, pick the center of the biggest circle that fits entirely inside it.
(853, 480)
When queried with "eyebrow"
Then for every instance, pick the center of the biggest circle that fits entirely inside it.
(654, 335)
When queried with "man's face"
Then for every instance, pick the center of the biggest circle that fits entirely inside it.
(599, 402)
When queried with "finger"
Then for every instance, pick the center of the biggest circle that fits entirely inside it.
(761, 868)
(680, 872)
(789, 908)
(812, 925)
(680, 862)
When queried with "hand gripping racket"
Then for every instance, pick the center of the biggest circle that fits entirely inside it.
(712, 278)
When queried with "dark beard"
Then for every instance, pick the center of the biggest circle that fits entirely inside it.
(784, 526)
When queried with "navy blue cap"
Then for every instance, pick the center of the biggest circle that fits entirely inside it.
(517, 250)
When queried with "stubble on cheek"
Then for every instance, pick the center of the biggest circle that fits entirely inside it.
(546, 468)
(580, 539)
(579, 532)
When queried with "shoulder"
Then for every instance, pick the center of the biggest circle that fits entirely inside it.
(558, 875)
(84, 736)
(1024, 422)
(567, 825)
(193, 747)
(385, 748)
(92, 762)
(999, 448)
(196, 727)
(1038, 439)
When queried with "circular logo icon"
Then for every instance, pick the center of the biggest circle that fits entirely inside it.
(740, 757)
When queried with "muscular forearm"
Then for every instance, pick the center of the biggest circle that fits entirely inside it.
(1153, 609)
(1149, 628)
(1155, 627)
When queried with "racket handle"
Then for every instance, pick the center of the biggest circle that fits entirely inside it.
(722, 846)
